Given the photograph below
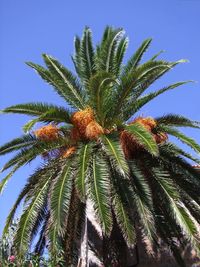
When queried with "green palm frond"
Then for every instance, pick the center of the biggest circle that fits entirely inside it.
(84, 157)
(74, 226)
(123, 219)
(28, 154)
(76, 57)
(114, 150)
(101, 91)
(119, 55)
(188, 185)
(68, 84)
(157, 54)
(134, 84)
(106, 51)
(61, 79)
(182, 137)
(143, 137)
(176, 120)
(39, 220)
(25, 156)
(192, 206)
(135, 59)
(176, 209)
(18, 143)
(136, 105)
(86, 56)
(65, 245)
(185, 175)
(99, 193)
(41, 172)
(122, 203)
(5, 180)
(41, 242)
(48, 112)
(30, 124)
(9, 175)
(140, 78)
(60, 198)
(23, 234)
(143, 201)
(177, 151)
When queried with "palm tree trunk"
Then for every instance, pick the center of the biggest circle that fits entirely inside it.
(84, 243)
(114, 249)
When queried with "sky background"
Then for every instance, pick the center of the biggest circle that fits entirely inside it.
(30, 28)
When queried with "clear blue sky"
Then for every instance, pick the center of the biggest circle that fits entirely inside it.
(30, 28)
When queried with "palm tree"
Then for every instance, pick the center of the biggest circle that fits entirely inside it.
(98, 150)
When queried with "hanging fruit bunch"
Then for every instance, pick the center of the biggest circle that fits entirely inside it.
(47, 133)
(85, 127)
(128, 142)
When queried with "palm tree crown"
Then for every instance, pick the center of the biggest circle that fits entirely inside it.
(97, 149)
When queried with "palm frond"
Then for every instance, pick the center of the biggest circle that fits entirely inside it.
(120, 51)
(64, 83)
(122, 196)
(60, 198)
(99, 193)
(157, 55)
(18, 143)
(28, 154)
(143, 201)
(138, 80)
(76, 58)
(177, 120)
(105, 56)
(101, 91)
(48, 112)
(123, 219)
(136, 105)
(68, 84)
(188, 184)
(84, 156)
(185, 175)
(177, 151)
(176, 209)
(134, 84)
(143, 137)
(28, 218)
(135, 59)
(192, 206)
(29, 125)
(182, 137)
(74, 226)
(33, 180)
(86, 56)
(5, 180)
(25, 156)
(114, 150)
(41, 242)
